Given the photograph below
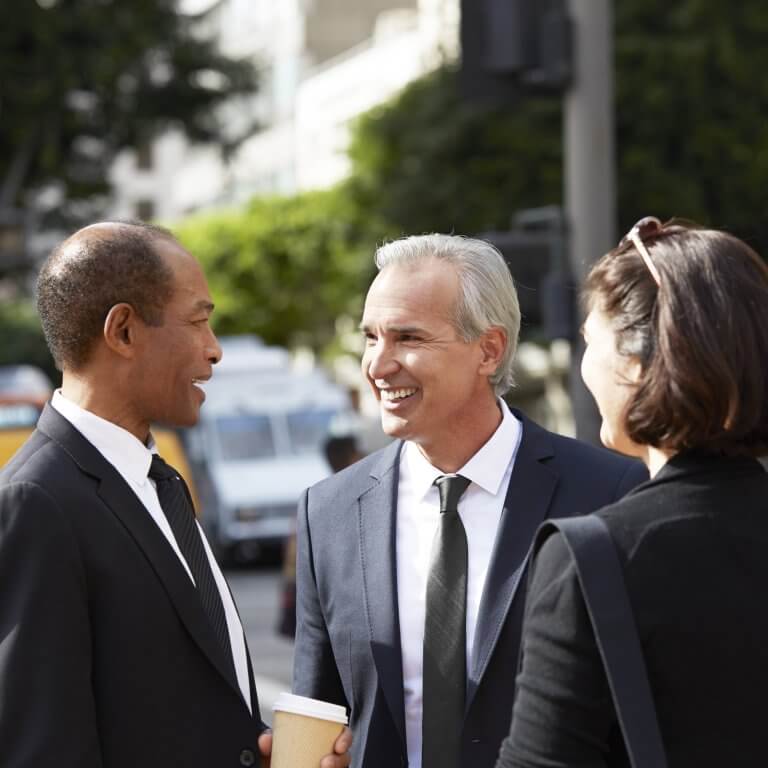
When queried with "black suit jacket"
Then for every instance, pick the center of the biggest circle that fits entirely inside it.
(693, 544)
(106, 656)
(348, 636)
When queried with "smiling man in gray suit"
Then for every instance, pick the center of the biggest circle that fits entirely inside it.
(410, 562)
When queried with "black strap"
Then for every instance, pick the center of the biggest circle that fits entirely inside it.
(602, 584)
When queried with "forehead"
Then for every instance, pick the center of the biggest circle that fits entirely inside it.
(189, 282)
(417, 294)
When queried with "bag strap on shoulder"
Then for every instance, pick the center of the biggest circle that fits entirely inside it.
(602, 583)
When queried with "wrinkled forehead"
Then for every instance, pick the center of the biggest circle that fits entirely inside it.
(429, 289)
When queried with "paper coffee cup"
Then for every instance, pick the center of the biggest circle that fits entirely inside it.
(304, 730)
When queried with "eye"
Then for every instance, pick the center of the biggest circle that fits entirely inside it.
(370, 338)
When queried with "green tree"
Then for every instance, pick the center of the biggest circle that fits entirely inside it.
(430, 161)
(284, 268)
(690, 113)
(692, 138)
(81, 79)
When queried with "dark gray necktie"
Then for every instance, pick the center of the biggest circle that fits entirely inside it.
(174, 498)
(444, 676)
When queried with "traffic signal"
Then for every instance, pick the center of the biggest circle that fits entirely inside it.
(511, 47)
(545, 290)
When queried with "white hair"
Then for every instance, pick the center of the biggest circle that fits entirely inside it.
(487, 296)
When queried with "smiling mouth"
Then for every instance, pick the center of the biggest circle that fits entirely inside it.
(394, 395)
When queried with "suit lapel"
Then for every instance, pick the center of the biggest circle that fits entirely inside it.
(126, 506)
(377, 511)
(526, 505)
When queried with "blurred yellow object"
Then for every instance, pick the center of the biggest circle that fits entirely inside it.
(18, 420)
(170, 448)
(10, 442)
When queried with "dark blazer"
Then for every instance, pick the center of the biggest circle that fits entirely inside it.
(348, 636)
(693, 544)
(107, 659)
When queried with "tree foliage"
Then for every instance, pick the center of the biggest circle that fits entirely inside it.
(429, 161)
(284, 268)
(690, 113)
(81, 79)
(692, 138)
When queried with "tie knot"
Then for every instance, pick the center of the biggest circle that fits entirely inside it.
(159, 470)
(451, 488)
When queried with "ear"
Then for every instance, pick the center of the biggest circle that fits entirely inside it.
(121, 330)
(493, 343)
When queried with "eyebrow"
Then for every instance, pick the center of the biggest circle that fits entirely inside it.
(395, 328)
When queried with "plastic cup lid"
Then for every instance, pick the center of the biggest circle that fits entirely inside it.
(301, 705)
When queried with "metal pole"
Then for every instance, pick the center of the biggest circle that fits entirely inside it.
(589, 174)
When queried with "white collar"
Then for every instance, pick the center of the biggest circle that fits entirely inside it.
(486, 468)
(119, 447)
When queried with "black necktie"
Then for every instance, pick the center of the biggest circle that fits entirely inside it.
(445, 671)
(175, 500)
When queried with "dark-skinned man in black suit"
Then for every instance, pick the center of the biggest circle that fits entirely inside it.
(110, 655)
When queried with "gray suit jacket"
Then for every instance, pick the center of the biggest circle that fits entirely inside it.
(348, 636)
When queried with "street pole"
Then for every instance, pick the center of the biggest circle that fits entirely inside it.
(590, 167)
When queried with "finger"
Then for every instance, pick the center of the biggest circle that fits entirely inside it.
(336, 761)
(343, 742)
(265, 747)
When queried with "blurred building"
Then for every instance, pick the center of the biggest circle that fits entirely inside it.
(322, 63)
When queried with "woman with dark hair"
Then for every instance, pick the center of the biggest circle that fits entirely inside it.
(677, 360)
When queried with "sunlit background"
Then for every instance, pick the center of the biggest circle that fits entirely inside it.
(282, 140)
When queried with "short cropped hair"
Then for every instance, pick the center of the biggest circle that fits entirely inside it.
(85, 276)
(700, 335)
(487, 295)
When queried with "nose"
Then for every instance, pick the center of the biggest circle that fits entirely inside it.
(213, 350)
(379, 361)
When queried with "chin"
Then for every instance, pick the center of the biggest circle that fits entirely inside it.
(185, 419)
(607, 438)
(394, 427)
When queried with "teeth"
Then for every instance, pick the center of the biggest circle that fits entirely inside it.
(396, 394)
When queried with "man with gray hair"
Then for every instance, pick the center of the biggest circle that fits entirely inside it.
(410, 563)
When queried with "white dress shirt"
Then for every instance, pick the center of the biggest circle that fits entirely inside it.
(418, 513)
(131, 458)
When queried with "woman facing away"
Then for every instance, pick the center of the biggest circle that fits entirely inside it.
(677, 360)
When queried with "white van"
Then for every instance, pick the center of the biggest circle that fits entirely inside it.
(259, 444)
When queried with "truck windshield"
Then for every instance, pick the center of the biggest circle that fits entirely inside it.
(307, 429)
(245, 436)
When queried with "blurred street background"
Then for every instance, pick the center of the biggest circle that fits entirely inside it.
(281, 140)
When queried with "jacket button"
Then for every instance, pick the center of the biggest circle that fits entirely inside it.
(247, 758)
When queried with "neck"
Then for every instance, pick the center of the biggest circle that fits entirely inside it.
(104, 399)
(655, 459)
(451, 452)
